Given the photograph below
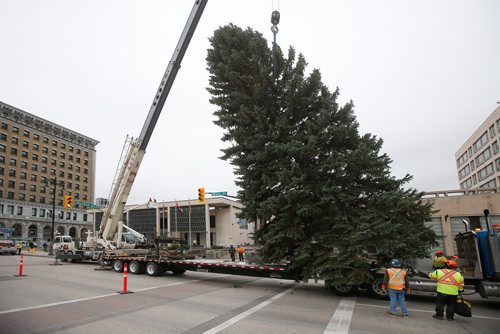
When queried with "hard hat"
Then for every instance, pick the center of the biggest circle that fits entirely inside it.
(439, 252)
(395, 263)
(451, 264)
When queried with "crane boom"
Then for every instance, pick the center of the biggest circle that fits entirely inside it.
(133, 152)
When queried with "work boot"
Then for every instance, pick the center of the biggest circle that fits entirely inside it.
(449, 319)
(438, 317)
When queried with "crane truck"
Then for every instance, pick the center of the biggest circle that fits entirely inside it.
(111, 238)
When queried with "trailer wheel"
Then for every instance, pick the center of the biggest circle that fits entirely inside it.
(178, 271)
(376, 288)
(343, 289)
(135, 267)
(153, 269)
(117, 266)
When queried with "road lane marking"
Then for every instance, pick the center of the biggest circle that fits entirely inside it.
(426, 311)
(91, 298)
(341, 318)
(246, 313)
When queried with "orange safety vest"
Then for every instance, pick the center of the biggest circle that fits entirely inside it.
(396, 278)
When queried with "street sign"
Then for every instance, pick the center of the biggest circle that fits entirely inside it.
(220, 193)
(89, 205)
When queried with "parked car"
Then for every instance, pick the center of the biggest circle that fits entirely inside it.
(7, 246)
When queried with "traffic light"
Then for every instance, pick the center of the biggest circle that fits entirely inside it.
(201, 195)
(68, 201)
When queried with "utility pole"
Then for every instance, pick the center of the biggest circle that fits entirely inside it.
(52, 237)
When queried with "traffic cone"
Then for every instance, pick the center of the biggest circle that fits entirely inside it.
(21, 260)
(125, 272)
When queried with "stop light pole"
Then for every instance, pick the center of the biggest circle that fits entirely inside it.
(52, 237)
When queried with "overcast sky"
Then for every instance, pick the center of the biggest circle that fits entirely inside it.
(423, 76)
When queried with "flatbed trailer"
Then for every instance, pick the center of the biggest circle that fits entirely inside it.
(154, 266)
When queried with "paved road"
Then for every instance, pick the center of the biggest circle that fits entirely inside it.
(76, 298)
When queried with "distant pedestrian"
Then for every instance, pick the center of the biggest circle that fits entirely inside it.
(449, 284)
(19, 247)
(241, 251)
(232, 252)
(397, 283)
(439, 260)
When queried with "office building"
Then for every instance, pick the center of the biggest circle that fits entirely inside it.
(478, 160)
(40, 162)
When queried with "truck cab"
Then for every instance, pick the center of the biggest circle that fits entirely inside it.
(64, 244)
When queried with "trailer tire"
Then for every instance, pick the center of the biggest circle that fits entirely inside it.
(135, 267)
(153, 269)
(376, 288)
(69, 253)
(343, 289)
(117, 266)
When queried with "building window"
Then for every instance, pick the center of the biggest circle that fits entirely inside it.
(10, 209)
(3, 136)
(68, 215)
(62, 155)
(13, 162)
(36, 136)
(23, 175)
(12, 172)
(15, 140)
(33, 212)
(22, 196)
(85, 171)
(26, 133)
(46, 140)
(44, 169)
(86, 154)
(74, 215)
(5, 126)
(42, 199)
(78, 151)
(2, 148)
(483, 140)
(45, 160)
(54, 143)
(22, 186)
(42, 190)
(466, 184)
(32, 198)
(34, 167)
(35, 157)
(42, 213)
(2, 159)
(35, 147)
(485, 172)
(13, 151)
(71, 148)
(84, 217)
(85, 162)
(61, 174)
(33, 187)
(33, 177)
(45, 150)
(12, 184)
(24, 154)
(19, 210)
(54, 153)
(26, 143)
(61, 164)
(10, 195)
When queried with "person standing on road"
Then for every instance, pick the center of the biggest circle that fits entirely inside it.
(19, 247)
(232, 252)
(397, 283)
(439, 260)
(449, 284)
(241, 252)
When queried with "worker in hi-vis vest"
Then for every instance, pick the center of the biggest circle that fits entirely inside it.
(449, 284)
(397, 283)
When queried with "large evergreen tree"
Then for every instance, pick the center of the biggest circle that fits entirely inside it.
(323, 193)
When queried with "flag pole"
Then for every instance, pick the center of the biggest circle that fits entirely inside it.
(189, 221)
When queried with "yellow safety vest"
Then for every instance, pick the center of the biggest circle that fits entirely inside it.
(439, 262)
(449, 281)
(396, 278)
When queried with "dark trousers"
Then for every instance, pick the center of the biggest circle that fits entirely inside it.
(450, 301)
(233, 256)
(240, 256)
